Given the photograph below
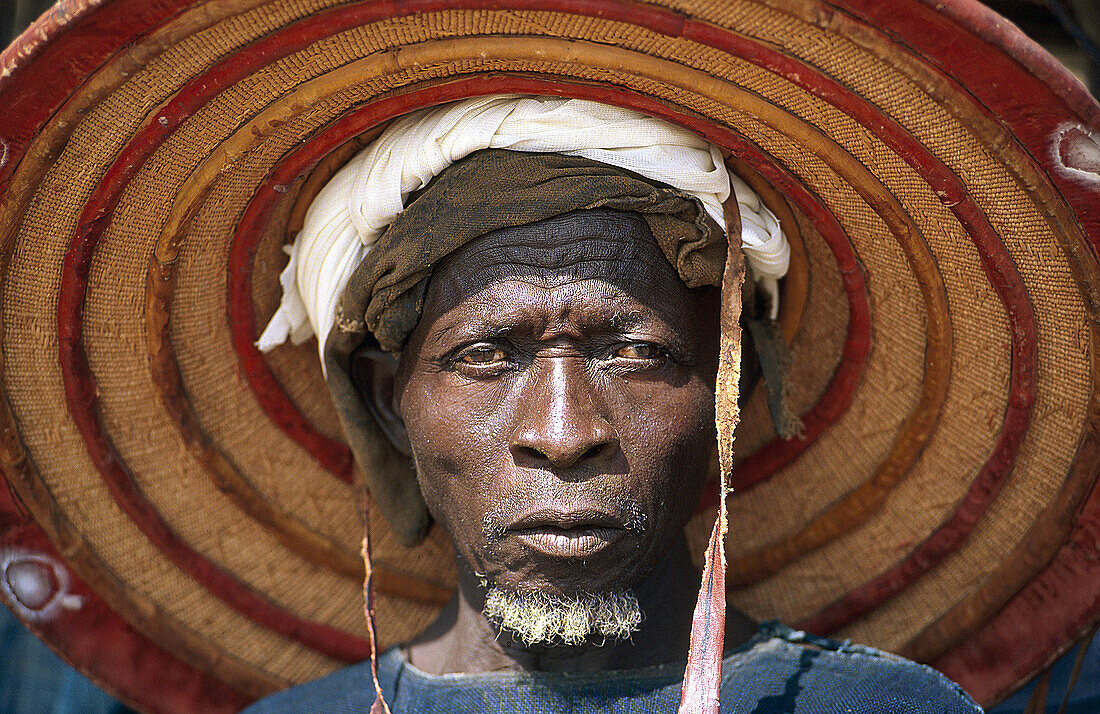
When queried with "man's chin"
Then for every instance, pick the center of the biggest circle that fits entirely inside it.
(534, 617)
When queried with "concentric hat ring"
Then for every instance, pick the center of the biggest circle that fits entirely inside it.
(189, 502)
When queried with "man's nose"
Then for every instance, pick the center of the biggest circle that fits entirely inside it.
(560, 418)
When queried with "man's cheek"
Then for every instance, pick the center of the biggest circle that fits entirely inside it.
(475, 414)
(453, 424)
(460, 462)
(677, 460)
(645, 421)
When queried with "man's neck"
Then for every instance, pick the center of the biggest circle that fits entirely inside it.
(463, 640)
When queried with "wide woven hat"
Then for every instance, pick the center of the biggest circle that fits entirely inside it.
(180, 518)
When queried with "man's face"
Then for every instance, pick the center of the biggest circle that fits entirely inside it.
(558, 397)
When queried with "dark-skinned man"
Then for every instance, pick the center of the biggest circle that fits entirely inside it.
(537, 331)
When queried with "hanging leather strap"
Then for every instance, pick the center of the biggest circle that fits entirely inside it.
(702, 679)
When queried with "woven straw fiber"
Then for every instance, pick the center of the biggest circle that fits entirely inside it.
(1064, 369)
(1008, 206)
(923, 276)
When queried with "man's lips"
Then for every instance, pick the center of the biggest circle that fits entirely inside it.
(567, 534)
(571, 542)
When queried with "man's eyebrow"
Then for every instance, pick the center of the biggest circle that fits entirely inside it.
(478, 327)
(475, 328)
(628, 320)
(624, 321)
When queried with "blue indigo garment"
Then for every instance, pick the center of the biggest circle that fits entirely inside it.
(1081, 693)
(34, 681)
(778, 671)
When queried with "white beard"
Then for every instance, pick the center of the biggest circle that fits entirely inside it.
(537, 618)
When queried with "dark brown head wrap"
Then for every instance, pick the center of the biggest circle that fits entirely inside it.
(484, 192)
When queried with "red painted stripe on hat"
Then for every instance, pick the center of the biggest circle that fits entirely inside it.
(332, 454)
(94, 638)
(1054, 609)
(73, 41)
(82, 396)
(1003, 276)
(1001, 271)
(1017, 422)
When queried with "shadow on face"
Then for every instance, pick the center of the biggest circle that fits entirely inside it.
(557, 398)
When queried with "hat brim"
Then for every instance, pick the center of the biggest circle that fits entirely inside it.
(195, 495)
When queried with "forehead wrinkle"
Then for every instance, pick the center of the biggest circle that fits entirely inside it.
(584, 242)
(478, 312)
(635, 279)
(618, 261)
(535, 309)
(628, 272)
(613, 250)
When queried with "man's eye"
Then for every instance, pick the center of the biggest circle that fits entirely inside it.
(640, 350)
(484, 355)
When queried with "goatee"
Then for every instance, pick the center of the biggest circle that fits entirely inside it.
(535, 617)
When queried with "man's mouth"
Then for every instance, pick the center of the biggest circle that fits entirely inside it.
(573, 534)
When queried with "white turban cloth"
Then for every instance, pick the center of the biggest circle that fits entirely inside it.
(364, 197)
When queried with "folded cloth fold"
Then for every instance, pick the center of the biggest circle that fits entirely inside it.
(494, 189)
(354, 209)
